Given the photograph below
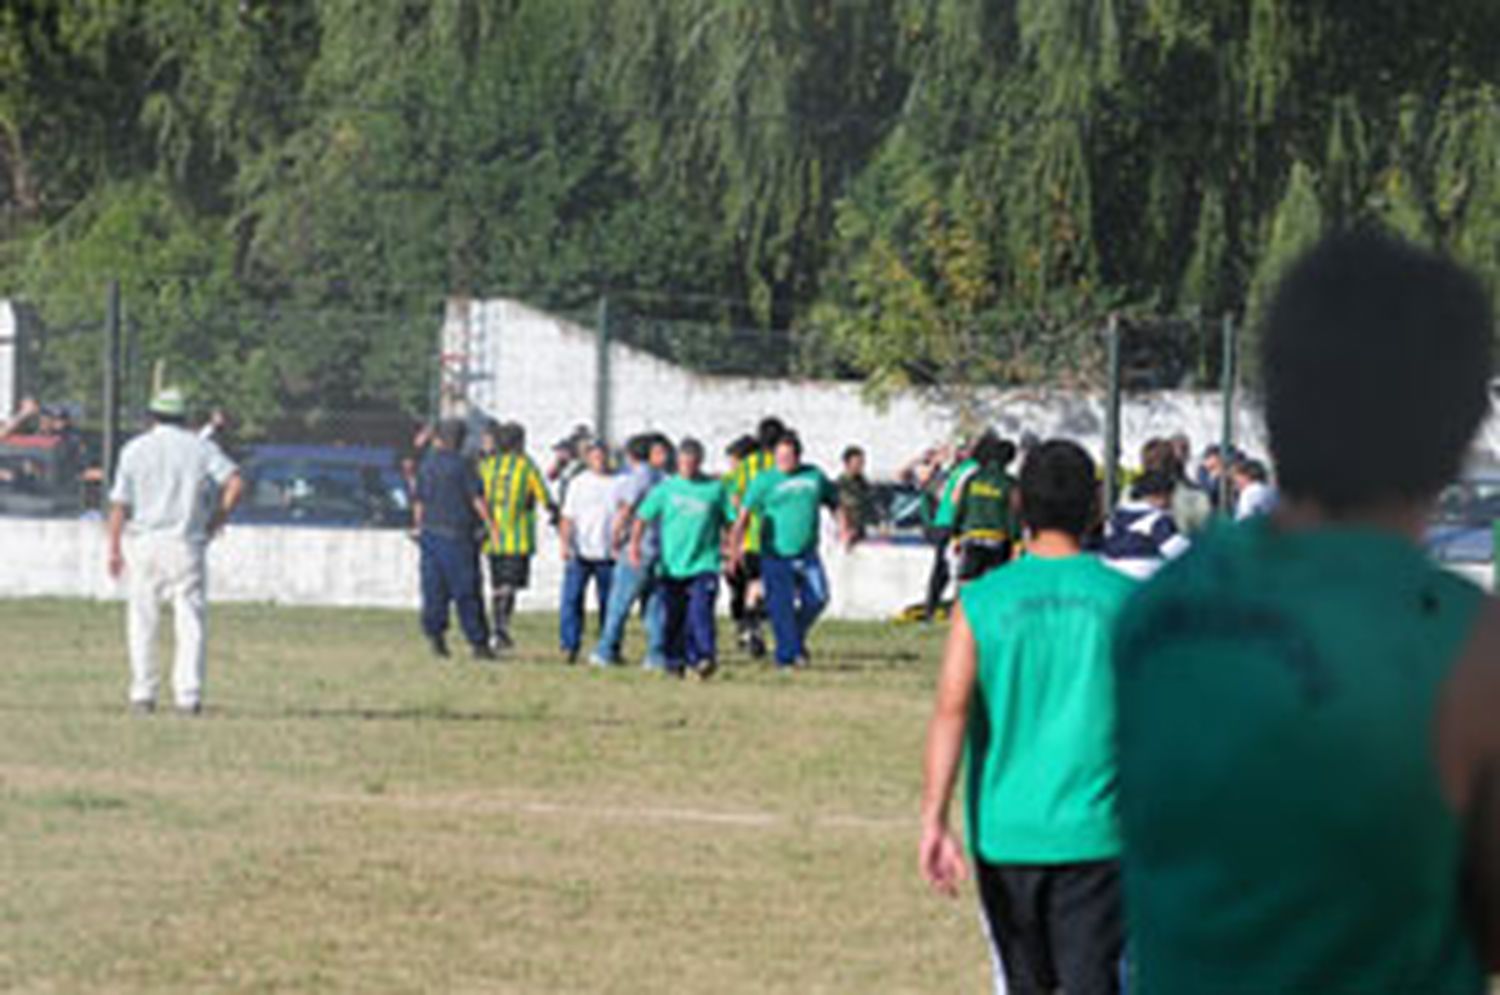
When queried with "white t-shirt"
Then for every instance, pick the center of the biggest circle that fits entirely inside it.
(163, 478)
(1256, 499)
(590, 506)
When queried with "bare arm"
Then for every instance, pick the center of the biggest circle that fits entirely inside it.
(565, 536)
(229, 499)
(619, 529)
(1469, 764)
(737, 537)
(117, 515)
(25, 412)
(940, 854)
(637, 533)
(482, 509)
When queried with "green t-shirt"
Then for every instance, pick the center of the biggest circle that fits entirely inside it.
(1284, 823)
(1041, 751)
(788, 504)
(693, 516)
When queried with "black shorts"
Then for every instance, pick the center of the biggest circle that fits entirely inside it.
(510, 571)
(976, 559)
(1054, 925)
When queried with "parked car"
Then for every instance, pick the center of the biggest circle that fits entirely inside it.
(325, 486)
(39, 476)
(1462, 529)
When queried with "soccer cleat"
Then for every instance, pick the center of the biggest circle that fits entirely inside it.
(439, 646)
(756, 644)
(705, 669)
(503, 641)
(599, 661)
(570, 657)
(484, 654)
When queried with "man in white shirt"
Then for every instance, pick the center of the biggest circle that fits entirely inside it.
(159, 499)
(588, 554)
(1252, 484)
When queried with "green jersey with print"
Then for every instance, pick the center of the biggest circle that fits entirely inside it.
(1041, 751)
(1285, 826)
(983, 510)
(693, 514)
(788, 504)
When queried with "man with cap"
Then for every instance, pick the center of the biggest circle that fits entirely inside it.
(158, 497)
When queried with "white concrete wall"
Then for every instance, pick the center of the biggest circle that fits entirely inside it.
(10, 357)
(537, 369)
(349, 568)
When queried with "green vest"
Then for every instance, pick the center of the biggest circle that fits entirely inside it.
(984, 509)
(1284, 825)
(1041, 750)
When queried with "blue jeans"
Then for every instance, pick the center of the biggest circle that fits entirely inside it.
(689, 609)
(450, 574)
(629, 586)
(796, 594)
(577, 573)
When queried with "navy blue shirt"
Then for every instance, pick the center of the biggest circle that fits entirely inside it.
(447, 485)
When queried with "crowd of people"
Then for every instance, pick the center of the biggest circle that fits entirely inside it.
(656, 537)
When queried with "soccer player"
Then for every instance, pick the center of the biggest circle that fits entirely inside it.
(693, 511)
(1027, 689)
(983, 510)
(588, 553)
(748, 562)
(735, 575)
(1309, 743)
(787, 499)
(448, 507)
(514, 491)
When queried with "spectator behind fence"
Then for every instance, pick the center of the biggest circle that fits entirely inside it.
(1254, 495)
(1309, 758)
(446, 516)
(856, 499)
(587, 547)
(158, 497)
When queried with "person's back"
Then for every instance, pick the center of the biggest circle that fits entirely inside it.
(1308, 748)
(1277, 693)
(1044, 786)
(165, 473)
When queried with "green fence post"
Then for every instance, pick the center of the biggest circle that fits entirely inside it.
(1230, 377)
(1112, 418)
(111, 398)
(601, 373)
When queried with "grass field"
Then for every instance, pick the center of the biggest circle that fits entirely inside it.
(351, 816)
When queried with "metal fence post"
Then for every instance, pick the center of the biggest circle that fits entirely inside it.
(111, 412)
(602, 396)
(1230, 377)
(1112, 418)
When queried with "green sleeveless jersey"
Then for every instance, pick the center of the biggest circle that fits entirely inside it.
(1041, 739)
(1285, 830)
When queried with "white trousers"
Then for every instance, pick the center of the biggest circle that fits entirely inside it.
(157, 569)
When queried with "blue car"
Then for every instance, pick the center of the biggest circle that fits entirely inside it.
(323, 486)
(1462, 530)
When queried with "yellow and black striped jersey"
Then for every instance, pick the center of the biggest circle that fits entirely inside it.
(514, 491)
(738, 482)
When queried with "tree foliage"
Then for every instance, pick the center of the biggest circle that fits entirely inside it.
(938, 191)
